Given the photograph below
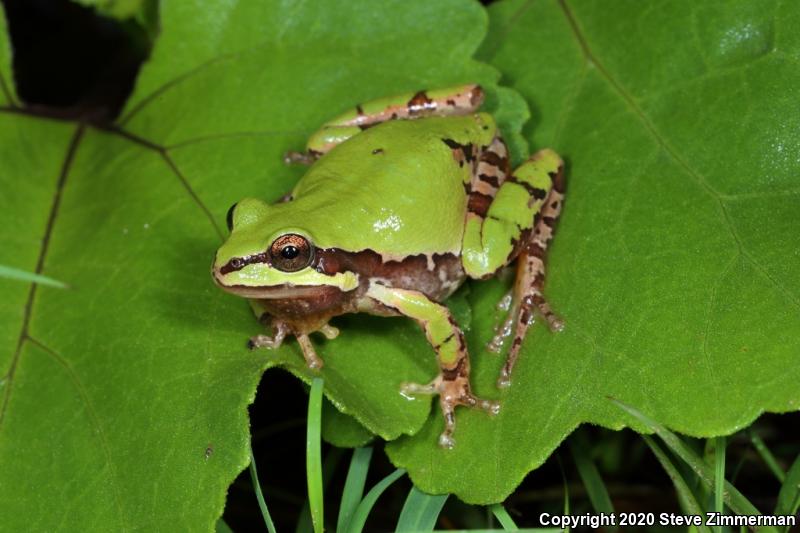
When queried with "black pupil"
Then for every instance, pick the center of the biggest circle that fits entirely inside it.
(289, 252)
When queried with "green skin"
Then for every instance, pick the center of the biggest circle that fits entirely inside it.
(406, 198)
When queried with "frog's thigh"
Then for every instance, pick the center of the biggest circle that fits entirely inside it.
(452, 384)
(496, 229)
(459, 100)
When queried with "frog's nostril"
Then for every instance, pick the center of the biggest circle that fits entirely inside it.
(236, 263)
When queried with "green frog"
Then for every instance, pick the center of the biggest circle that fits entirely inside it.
(405, 199)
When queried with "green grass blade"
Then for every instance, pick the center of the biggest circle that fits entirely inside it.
(420, 511)
(767, 456)
(732, 497)
(329, 465)
(362, 511)
(30, 277)
(353, 486)
(595, 488)
(719, 475)
(259, 495)
(314, 455)
(789, 495)
(503, 517)
(681, 487)
(566, 491)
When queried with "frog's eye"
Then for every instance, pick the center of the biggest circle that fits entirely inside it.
(290, 252)
(229, 217)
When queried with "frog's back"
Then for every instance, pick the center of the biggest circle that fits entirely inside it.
(397, 188)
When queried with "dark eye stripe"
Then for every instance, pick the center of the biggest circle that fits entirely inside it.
(238, 263)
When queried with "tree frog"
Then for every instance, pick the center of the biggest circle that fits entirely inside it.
(406, 198)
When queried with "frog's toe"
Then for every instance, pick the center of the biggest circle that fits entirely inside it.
(446, 441)
(410, 390)
(302, 158)
(263, 341)
(502, 332)
(504, 381)
(555, 322)
(313, 361)
(330, 332)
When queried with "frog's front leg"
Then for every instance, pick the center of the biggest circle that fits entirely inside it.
(452, 384)
(460, 100)
(517, 222)
(282, 328)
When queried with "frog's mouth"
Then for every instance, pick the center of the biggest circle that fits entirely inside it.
(274, 292)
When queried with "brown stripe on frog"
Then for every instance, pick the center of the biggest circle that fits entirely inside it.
(420, 103)
(489, 176)
(461, 368)
(437, 277)
(493, 158)
(238, 263)
(479, 203)
(535, 192)
(461, 152)
(557, 178)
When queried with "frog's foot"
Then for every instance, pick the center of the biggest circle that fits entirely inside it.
(504, 330)
(273, 342)
(523, 320)
(300, 158)
(452, 383)
(453, 391)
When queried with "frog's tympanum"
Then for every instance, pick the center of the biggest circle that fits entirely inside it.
(405, 199)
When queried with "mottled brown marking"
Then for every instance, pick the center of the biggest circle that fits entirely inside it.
(476, 96)
(460, 370)
(492, 158)
(557, 178)
(448, 339)
(535, 192)
(491, 180)
(479, 203)
(420, 103)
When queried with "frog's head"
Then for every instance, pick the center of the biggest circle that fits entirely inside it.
(263, 258)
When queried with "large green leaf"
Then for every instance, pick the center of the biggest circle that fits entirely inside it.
(124, 397)
(675, 263)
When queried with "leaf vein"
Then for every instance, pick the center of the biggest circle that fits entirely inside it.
(62, 179)
(78, 384)
(164, 153)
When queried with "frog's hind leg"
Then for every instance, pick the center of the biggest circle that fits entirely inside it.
(452, 384)
(527, 296)
(510, 221)
(460, 100)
